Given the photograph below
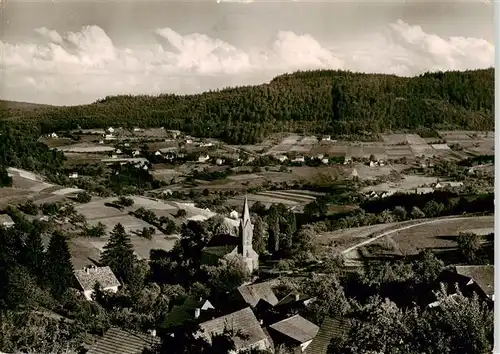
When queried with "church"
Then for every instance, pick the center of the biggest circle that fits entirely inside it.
(222, 246)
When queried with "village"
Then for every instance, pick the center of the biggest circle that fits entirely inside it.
(198, 180)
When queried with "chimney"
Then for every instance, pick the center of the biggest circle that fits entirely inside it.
(297, 297)
(197, 312)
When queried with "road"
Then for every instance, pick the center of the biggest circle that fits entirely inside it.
(425, 222)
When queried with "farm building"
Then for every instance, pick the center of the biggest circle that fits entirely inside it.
(295, 332)
(88, 278)
(6, 221)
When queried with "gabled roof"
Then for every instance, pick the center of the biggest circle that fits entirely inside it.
(181, 314)
(483, 275)
(242, 322)
(5, 219)
(87, 278)
(118, 341)
(330, 328)
(291, 298)
(254, 292)
(297, 328)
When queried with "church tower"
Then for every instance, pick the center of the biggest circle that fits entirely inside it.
(246, 239)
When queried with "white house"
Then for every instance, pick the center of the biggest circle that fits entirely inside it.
(325, 161)
(73, 175)
(6, 221)
(136, 153)
(327, 138)
(53, 136)
(87, 279)
(300, 159)
(234, 215)
(219, 161)
(203, 159)
(109, 137)
(189, 141)
(111, 130)
(101, 141)
(157, 153)
(320, 156)
(137, 130)
(118, 151)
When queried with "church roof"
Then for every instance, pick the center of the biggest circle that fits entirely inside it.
(246, 213)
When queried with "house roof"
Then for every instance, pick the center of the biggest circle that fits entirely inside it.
(222, 244)
(88, 277)
(181, 314)
(254, 292)
(5, 219)
(483, 275)
(297, 328)
(118, 341)
(330, 328)
(291, 298)
(242, 322)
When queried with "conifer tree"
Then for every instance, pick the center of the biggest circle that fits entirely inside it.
(59, 266)
(119, 254)
(33, 254)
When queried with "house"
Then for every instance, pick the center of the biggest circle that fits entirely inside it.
(424, 190)
(222, 246)
(320, 156)
(373, 164)
(110, 130)
(330, 329)
(6, 221)
(219, 161)
(118, 151)
(109, 137)
(299, 159)
(326, 138)
(471, 279)
(73, 175)
(242, 322)
(282, 158)
(101, 141)
(234, 215)
(191, 309)
(443, 184)
(387, 194)
(157, 153)
(253, 293)
(203, 159)
(53, 136)
(347, 160)
(138, 130)
(136, 153)
(87, 279)
(189, 141)
(295, 331)
(120, 341)
(294, 300)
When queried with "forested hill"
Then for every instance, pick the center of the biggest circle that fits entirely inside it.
(331, 102)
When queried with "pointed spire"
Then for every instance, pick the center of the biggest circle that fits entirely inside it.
(246, 212)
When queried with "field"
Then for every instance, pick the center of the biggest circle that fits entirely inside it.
(87, 148)
(289, 198)
(408, 183)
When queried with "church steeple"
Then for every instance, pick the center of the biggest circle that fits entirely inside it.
(246, 231)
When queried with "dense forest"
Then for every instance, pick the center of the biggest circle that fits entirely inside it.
(325, 102)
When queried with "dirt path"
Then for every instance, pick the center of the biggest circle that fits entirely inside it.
(370, 240)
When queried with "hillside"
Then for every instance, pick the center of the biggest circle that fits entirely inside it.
(332, 102)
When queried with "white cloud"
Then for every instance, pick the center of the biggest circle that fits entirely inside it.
(79, 67)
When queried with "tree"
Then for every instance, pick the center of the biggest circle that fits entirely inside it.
(33, 254)
(119, 254)
(416, 213)
(29, 207)
(181, 213)
(427, 267)
(5, 179)
(147, 233)
(59, 266)
(433, 209)
(260, 237)
(400, 213)
(83, 197)
(469, 245)
(303, 241)
(228, 275)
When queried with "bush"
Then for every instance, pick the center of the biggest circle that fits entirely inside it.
(83, 197)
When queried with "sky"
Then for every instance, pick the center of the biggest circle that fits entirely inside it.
(72, 52)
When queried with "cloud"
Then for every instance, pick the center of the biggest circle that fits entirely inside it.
(80, 67)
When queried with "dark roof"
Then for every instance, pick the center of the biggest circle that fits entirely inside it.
(254, 292)
(223, 244)
(87, 278)
(243, 322)
(119, 341)
(483, 276)
(297, 328)
(330, 328)
(181, 314)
